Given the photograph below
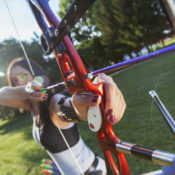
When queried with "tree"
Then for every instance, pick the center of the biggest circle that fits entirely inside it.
(129, 25)
(153, 22)
(94, 57)
(123, 26)
(9, 49)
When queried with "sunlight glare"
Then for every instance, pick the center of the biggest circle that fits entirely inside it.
(2, 74)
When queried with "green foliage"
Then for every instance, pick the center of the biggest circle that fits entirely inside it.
(9, 49)
(87, 52)
(127, 26)
(122, 27)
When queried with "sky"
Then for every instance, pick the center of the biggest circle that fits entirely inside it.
(24, 20)
(23, 17)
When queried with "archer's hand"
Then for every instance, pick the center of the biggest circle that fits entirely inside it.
(115, 103)
(34, 93)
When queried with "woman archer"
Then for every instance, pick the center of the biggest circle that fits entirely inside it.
(51, 112)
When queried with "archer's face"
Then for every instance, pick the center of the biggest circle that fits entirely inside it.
(20, 76)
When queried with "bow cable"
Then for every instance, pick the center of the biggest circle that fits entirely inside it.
(33, 74)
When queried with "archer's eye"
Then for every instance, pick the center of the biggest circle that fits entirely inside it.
(22, 76)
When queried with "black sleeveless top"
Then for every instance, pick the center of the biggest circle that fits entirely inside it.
(50, 136)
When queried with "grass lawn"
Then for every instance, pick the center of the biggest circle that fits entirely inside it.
(142, 123)
(19, 153)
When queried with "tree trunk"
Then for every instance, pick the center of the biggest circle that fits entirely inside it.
(169, 6)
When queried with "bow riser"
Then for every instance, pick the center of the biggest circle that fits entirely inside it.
(73, 70)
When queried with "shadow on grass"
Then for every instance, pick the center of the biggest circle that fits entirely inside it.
(16, 124)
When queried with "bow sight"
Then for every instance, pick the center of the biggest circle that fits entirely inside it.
(48, 39)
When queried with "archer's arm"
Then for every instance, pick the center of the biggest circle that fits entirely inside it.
(15, 97)
(18, 97)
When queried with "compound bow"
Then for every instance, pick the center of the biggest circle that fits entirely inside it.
(55, 39)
